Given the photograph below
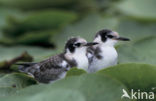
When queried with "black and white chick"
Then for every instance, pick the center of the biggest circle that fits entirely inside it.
(55, 67)
(104, 53)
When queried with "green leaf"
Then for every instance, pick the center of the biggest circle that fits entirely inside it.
(138, 9)
(31, 90)
(134, 76)
(7, 91)
(34, 38)
(39, 21)
(54, 95)
(141, 47)
(91, 86)
(16, 80)
(75, 72)
(73, 5)
(10, 83)
(141, 51)
(43, 38)
(35, 4)
(7, 53)
(135, 30)
(5, 12)
(1, 74)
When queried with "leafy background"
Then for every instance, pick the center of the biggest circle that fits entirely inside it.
(41, 28)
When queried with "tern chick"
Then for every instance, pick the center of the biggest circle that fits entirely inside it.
(55, 67)
(104, 53)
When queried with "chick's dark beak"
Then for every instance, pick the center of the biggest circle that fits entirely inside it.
(122, 39)
(91, 43)
(117, 37)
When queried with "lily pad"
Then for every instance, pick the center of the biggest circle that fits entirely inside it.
(55, 95)
(16, 80)
(91, 86)
(10, 83)
(141, 51)
(41, 39)
(7, 53)
(135, 30)
(2, 74)
(35, 4)
(7, 91)
(44, 4)
(37, 21)
(134, 76)
(138, 9)
(75, 72)
(5, 12)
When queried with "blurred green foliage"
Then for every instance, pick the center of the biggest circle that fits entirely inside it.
(10, 83)
(90, 86)
(37, 28)
(41, 28)
(44, 4)
(139, 9)
(75, 72)
(43, 20)
(133, 75)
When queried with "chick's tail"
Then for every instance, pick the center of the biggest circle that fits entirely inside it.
(23, 67)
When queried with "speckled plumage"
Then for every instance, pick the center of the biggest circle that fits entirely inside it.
(55, 67)
(50, 69)
(103, 57)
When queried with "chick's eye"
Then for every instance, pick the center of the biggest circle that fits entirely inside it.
(78, 44)
(110, 36)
